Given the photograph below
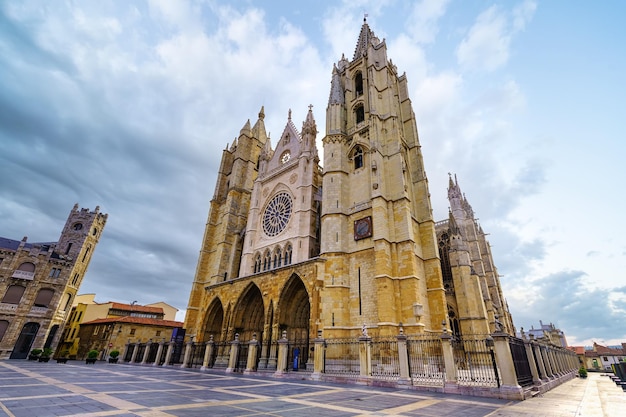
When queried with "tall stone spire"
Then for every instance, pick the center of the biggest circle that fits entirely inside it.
(363, 41)
(336, 91)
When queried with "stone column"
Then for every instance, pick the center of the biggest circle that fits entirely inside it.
(283, 353)
(253, 347)
(365, 356)
(168, 354)
(546, 362)
(146, 352)
(448, 359)
(209, 348)
(187, 356)
(509, 388)
(234, 354)
(126, 350)
(542, 367)
(159, 353)
(134, 355)
(403, 358)
(265, 346)
(318, 356)
(531, 362)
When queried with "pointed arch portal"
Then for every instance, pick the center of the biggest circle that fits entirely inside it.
(295, 309)
(214, 321)
(249, 314)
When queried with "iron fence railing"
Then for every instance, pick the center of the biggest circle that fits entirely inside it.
(341, 357)
(426, 364)
(475, 362)
(385, 358)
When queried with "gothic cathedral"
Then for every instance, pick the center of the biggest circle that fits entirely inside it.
(293, 248)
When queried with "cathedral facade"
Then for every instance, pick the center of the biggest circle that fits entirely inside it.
(293, 248)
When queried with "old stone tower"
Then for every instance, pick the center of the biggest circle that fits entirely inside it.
(39, 281)
(289, 247)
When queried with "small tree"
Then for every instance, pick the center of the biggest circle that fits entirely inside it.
(582, 372)
(114, 353)
(92, 354)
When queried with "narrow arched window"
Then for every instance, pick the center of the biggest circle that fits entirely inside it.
(358, 157)
(359, 113)
(358, 84)
(288, 251)
(267, 261)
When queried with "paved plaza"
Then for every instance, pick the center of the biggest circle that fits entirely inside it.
(33, 389)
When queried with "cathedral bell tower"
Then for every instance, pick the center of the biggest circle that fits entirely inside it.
(378, 236)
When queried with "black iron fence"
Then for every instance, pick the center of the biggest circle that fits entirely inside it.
(520, 361)
(475, 362)
(426, 364)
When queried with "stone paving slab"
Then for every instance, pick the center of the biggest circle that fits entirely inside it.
(33, 389)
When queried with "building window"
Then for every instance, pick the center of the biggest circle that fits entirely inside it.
(78, 226)
(68, 302)
(288, 252)
(69, 246)
(132, 332)
(86, 253)
(14, 294)
(359, 113)
(257, 263)
(44, 296)
(3, 328)
(54, 273)
(358, 84)
(267, 261)
(158, 333)
(25, 271)
(358, 157)
(95, 231)
(75, 279)
(605, 359)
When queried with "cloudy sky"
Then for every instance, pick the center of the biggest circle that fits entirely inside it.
(127, 105)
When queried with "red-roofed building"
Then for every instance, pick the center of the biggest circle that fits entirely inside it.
(600, 357)
(108, 326)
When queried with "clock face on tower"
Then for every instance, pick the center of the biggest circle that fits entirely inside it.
(363, 228)
(277, 214)
(284, 158)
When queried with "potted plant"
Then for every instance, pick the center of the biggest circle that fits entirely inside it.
(92, 356)
(34, 354)
(45, 355)
(582, 372)
(113, 356)
(62, 358)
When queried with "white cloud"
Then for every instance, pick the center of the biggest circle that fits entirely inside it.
(486, 46)
(422, 21)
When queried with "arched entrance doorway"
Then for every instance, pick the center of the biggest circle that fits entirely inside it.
(294, 317)
(249, 315)
(214, 321)
(25, 341)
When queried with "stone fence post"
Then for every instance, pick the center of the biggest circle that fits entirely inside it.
(169, 353)
(187, 356)
(134, 355)
(253, 347)
(365, 356)
(283, 351)
(448, 360)
(146, 352)
(234, 354)
(319, 356)
(209, 349)
(159, 353)
(403, 358)
(509, 389)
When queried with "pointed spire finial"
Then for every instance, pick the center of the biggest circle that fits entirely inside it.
(262, 113)
(289, 116)
(310, 107)
(365, 18)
